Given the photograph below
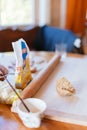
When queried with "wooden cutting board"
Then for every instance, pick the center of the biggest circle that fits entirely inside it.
(71, 109)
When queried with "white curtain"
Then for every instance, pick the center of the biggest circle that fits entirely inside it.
(22, 12)
(44, 12)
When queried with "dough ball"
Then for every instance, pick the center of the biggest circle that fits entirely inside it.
(64, 87)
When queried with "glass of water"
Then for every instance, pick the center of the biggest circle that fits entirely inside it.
(61, 48)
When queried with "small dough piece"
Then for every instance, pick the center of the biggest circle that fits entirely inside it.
(64, 87)
(5, 72)
(33, 69)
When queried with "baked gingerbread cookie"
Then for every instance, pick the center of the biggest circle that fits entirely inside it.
(64, 87)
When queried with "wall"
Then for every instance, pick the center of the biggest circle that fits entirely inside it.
(58, 13)
(51, 12)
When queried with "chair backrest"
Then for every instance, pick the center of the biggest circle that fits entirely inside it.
(13, 33)
(48, 36)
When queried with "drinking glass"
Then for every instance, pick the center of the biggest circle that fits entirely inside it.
(61, 48)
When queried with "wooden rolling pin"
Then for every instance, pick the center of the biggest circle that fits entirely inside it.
(36, 83)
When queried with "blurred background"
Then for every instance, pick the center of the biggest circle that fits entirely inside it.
(71, 14)
(65, 14)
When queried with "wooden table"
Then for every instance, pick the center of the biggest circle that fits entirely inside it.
(11, 121)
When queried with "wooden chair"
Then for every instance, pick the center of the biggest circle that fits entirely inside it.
(9, 35)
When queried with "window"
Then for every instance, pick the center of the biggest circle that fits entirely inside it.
(17, 12)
